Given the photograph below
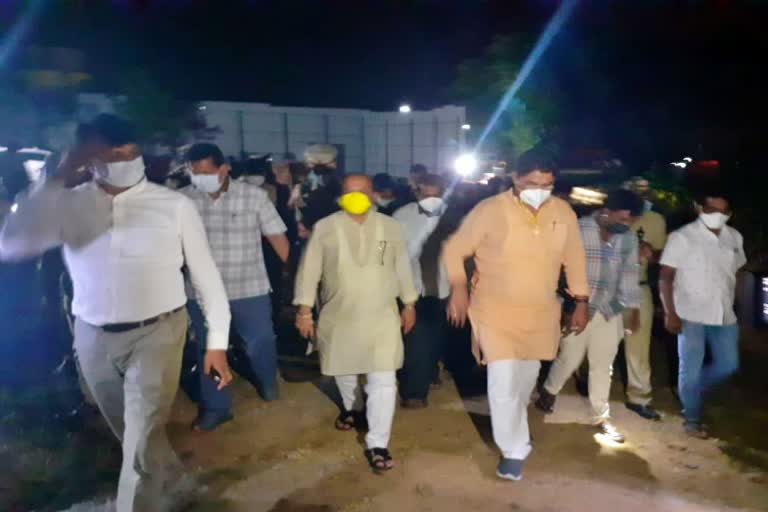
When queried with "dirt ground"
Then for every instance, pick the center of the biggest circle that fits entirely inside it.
(286, 456)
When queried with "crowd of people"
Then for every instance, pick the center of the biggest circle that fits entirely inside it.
(384, 272)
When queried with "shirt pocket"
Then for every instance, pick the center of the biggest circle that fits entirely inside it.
(242, 222)
(384, 253)
(148, 244)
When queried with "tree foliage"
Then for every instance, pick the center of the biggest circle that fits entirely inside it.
(160, 117)
(531, 115)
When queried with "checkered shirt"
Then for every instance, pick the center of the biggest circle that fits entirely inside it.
(235, 223)
(612, 270)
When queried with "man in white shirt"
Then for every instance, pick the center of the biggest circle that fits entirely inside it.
(697, 285)
(236, 214)
(125, 241)
(424, 235)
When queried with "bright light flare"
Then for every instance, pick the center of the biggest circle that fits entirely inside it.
(14, 207)
(405, 109)
(688, 159)
(466, 127)
(34, 168)
(588, 196)
(550, 31)
(465, 164)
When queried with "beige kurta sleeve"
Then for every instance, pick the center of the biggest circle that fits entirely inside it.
(407, 290)
(574, 258)
(463, 244)
(310, 269)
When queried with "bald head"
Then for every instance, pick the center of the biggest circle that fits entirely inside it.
(357, 183)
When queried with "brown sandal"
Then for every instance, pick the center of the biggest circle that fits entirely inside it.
(379, 459)
(346, 421)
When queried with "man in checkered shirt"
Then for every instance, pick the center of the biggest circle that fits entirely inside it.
(236, 215)
(612, 270)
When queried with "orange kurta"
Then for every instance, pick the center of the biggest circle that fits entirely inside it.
(518, 255)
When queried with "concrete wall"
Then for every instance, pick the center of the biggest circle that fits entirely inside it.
(372, 141)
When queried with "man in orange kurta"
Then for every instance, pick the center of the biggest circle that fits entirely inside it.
(520, 240)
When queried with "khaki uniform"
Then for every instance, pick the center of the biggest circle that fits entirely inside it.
(362, 269)
(638, 345)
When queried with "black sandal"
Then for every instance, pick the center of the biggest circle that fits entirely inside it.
(379, 459)
(346, 421)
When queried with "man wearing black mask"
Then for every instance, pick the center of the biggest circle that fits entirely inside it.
(324, 187)
(612, 270)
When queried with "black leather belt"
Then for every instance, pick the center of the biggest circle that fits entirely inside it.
(129, 326)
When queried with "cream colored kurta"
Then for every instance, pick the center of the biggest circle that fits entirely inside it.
(362, 269)
(518, 255)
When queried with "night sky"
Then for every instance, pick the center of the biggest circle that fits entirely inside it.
(684, 70)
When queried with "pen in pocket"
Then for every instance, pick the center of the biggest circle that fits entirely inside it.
(382, 249)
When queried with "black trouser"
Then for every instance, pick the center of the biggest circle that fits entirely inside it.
(423, 349)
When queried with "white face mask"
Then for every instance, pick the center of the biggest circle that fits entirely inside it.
(535, 197)
(255, 179)
(647, 205)
(120, 174)
(714, 220)
(431, 204)
(383, 203)
(208, 183)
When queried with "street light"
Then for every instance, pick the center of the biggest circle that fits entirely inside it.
(405, 108)
(466, 127)
(465, 164)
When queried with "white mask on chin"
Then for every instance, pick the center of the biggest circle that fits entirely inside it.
(208, 183)
(120, 174)
(535, 197)
(255, 179)
(383, 203)
(714, 220)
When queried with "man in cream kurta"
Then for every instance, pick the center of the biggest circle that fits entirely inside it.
(520, 241)
(359, 259)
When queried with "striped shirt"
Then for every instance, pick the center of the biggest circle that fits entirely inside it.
(612, 270)
(235, 223)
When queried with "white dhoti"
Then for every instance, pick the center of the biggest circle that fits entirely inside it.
(381, 388)
(510, 384)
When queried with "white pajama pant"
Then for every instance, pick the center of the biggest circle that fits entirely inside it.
(381, 388)
(510, 384)
(599, 342)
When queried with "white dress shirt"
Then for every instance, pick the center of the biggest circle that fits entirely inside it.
(417, 227)
(124, 253)
(705, 278)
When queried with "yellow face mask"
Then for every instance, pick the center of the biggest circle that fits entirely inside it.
(355, 203)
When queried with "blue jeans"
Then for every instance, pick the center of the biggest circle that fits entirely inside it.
(694, 378)
(252, 320)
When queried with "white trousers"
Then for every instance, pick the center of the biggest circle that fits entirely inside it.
(510, 384)
(599, 342)
(381, 388)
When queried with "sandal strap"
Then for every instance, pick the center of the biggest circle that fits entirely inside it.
(383, 453)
